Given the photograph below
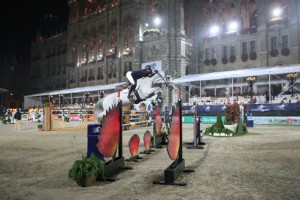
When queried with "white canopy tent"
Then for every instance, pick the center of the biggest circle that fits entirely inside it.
(36, 99)
(284, 69)
(2, 90)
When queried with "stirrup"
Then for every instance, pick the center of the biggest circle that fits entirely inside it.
(159, 96)
(132, 97)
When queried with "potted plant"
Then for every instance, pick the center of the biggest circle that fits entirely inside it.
(3, 120)
(232, 58)
(274, 52)
(86, 171)
(244, 57)
(285, 52)
(241, 129)
(38, 117)
(207, 62)
(213, 61)
(218, 129)
(224, 60)
(40, 127)
(252, 56)
(164, 135)
(232, 114)
(67, 119)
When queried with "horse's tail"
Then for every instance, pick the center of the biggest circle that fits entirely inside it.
(98, 111)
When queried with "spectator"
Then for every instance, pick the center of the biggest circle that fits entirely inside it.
(267, 97)
(17, 117)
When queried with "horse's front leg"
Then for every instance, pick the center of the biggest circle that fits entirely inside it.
(157, 91)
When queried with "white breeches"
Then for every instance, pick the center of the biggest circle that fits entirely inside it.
(129, 77)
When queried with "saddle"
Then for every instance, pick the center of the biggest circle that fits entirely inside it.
(135, 95)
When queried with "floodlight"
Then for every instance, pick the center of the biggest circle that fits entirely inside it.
(233, 27)
(214, 30)
(276, 12)
(157, 21)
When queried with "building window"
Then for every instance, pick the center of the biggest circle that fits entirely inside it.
(273, 43)
(232, 50)
(213, 53)
(130, 66)
(253, 47)
(91, 77)
(225, 51)
(285, 42)
(244, 48)
(206, 54)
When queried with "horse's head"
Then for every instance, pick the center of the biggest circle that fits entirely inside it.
(158, 78)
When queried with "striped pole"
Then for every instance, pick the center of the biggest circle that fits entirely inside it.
(138, 123)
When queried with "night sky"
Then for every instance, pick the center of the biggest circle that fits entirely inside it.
(21, 20)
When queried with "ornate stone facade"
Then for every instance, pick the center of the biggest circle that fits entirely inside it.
(104, 39)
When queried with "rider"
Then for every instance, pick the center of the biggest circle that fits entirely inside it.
(133, 76)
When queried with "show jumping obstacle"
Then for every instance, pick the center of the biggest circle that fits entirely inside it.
(110, 140)
(144, 90)
(108, 137)
(127, 123)
(197, 132)
(110, 145)
(175, 150)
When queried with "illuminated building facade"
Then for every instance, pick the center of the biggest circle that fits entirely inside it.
(104, 39)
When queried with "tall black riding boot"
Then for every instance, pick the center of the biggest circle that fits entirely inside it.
(130, 90)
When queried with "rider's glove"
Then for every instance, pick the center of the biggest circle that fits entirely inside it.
(155, 71)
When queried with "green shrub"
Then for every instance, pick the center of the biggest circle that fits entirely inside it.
(219, 123)
(86, 167)
(241, 129)
(218, 127)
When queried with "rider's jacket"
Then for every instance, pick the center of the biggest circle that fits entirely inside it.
(141, 73)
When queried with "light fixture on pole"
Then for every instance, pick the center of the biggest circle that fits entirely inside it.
(101, 94)
(251, 80)
(292, 77)
(60, 99)
(87, 94)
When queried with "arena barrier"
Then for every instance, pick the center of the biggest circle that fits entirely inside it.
(60, 125)
(138, 123)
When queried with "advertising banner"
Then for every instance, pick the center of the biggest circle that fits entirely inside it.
(285, 109)
(207, 110)
(287, 120)
(157, 65)
(267, 120)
